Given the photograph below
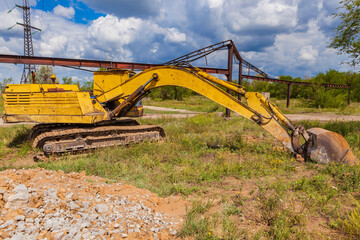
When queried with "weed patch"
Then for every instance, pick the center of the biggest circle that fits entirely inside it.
(195, 225)
(351, 223)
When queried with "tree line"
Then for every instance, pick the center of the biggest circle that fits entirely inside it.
(312, 96)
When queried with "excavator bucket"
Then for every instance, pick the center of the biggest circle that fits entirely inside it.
(327, 147)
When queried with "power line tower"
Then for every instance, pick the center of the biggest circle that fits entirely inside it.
(28, 44)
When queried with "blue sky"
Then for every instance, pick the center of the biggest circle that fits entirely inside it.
(282, 37)
(83, 13)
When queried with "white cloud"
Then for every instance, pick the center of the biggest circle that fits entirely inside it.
(121, 37)
(115, 30)
(8, 20)
(53, 45)
(299, 53)
(242, 16)
(5, 50)
(308, 53)
(64, 11)
(215, 3)
(173, 35)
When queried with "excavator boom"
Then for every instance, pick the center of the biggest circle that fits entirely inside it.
(115, 93)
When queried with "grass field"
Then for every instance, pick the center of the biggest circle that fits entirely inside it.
(240, 182)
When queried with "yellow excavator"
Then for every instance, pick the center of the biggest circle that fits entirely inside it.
(71, 120)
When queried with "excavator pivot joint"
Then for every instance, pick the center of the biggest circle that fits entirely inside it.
(155, 77)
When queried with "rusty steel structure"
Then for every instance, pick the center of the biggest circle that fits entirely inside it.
(28, 44)
(187, 59)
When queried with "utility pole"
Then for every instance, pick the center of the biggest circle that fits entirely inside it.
(29, 69)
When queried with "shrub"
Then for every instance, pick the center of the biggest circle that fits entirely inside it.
(351, 224)
(328, 99)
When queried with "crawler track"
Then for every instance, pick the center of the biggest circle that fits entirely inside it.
(61, 138)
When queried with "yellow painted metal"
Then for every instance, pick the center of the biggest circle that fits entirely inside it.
(275, 110)
(229, 85)
(136, 111)
(256, 101)
(33, 88)
(106, 81)
(50, 103)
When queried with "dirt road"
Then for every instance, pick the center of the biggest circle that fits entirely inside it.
(322, 117)
(181, 113)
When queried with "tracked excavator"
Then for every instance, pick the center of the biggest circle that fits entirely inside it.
(70, 120)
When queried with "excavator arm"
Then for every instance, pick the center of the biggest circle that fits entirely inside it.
(259, 110)
(319, 145)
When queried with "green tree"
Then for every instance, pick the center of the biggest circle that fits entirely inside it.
(67, 80)
(87, 86)
(83, 86)
(43, 74)
(347, 38)
(4, 82)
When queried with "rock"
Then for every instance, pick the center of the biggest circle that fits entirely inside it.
(50, 194)
(5, 235)
(18, 200)
(124, 235)
(101, 208)
(21, 188)
(20, 226)
(48, 225)
(73, 206)
(59, 236)
(85, 225)
(9, 223)
(20, 218)
(69, 196)
(173, 232)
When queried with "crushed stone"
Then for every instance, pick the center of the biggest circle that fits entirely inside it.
(42, 204)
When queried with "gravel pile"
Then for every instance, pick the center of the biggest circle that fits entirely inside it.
(41, 204)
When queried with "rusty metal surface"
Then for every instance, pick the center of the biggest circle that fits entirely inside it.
(327, 147)
(68, 62)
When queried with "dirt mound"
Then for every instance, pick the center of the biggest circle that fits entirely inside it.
(37, 204)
